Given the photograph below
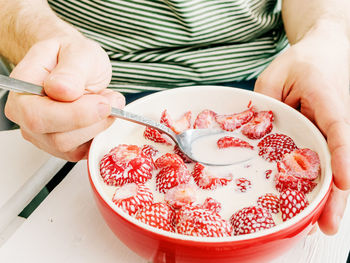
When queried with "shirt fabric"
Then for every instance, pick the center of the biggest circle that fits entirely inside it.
(159, 44)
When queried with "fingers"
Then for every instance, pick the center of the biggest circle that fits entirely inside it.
(73, 144)
(64, 144)
(79, 67)
(333, 212)
(43, 115)
(271, 81)
(36, 65)
(332, 116)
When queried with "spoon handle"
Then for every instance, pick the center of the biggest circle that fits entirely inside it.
(22, 86)
(122, 114)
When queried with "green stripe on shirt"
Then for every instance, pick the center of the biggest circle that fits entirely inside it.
(159, 44)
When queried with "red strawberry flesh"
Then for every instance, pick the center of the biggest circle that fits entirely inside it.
(206, 178)
(229, 141)
(131, 197)
(231, 122)
(292, 202)
(251, 219)
(274, 146)
(259, 126)
(180, 195)
(205, 119)
(270, 202)
(158, 215)
(301, 163)
(198, 221)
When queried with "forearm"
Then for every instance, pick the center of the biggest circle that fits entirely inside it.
(303, 16)
(24, 23)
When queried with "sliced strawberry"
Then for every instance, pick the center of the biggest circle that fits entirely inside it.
(274, 146)
(259, 126)
(301, 163)
(243, 184)
(292, 202)
(270, 202)
(158, 215)
(285, 181)
(181, 154)
(149, 150)
(171, 176)
(207, 179)
(251, 219)
(126, 164)
(131, 197)
(268, 173)
(229, 141)
(155, 136)
(205, 119)
(231, 122)
(212, 205)
(180, 195)
(168, 159)
(198, 221)
(179, 125)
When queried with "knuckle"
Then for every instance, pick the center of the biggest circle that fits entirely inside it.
(60, 142)
(32, 122)
(75, 156)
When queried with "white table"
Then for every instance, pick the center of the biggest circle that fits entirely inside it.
(25, 170)
(67, 227)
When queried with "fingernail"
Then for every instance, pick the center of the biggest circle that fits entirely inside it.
(116, 100)
(104, 110)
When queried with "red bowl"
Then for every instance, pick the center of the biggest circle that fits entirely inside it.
(160, 246)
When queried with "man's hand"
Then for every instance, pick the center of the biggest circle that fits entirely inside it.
(313, 76)
(74, 73)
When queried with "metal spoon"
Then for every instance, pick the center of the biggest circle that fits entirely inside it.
(183, 140)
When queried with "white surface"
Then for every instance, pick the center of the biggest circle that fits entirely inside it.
(10, 229)
(25, 170)
(67, 227)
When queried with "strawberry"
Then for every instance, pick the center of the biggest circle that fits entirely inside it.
(251, 219)
(171, 176)
(149, 150)
(155, 136)
(180, 195)
(301, 163)
(259, 126)
(292, 202)
(272, 147)
(126, 164)
(198, 221)
(181, 154)
(169, 159)
(131, 197)
(158, 215)
(205, 178)
(268, 173)
(205, 119)
(285, 181)
(212, 205)
(270, 202)
(178, 126)
(231, 122)
(229, 141)
(243, 184)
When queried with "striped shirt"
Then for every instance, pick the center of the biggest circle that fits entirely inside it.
(159, 44)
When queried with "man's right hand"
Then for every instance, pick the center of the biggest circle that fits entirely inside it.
(74, 73)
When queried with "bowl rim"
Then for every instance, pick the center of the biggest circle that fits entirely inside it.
(309, 210)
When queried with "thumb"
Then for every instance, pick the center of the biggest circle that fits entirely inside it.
(81, 65)
(271, 81)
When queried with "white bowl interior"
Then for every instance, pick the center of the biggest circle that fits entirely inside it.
(223, 100)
